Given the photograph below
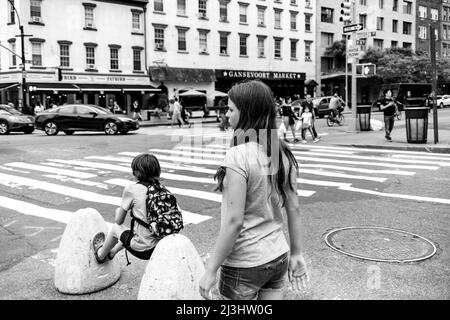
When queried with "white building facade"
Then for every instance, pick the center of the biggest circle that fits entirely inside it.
(98, 45)
(208, 45)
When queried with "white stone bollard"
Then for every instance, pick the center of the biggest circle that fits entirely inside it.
(76, 270)
(173, 271)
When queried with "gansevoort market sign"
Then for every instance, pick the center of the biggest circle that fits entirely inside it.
(268, 75)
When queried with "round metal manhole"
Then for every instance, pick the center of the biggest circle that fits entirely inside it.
(380, 244)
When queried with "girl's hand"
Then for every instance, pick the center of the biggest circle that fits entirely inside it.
(297, 272)
(206, 282)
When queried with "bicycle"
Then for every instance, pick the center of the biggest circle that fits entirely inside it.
(332, 119)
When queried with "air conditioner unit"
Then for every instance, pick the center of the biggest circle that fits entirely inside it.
(204, 50)
(89, 25)
(36, 19)
(91, 66)
(260, 23)
(223, 18)
(159, 46)
(202, 14)
(261, 54)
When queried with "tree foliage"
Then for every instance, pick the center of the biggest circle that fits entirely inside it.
(337, 51)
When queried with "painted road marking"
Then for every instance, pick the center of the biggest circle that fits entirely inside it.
(361, 170)
(64, 172)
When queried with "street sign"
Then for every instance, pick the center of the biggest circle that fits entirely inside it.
(361, 42)
(365, 34)
(353, 52)
(352, 28)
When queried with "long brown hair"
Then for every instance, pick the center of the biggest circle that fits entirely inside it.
(257, 122)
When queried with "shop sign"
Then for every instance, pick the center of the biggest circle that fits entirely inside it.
(269, 75)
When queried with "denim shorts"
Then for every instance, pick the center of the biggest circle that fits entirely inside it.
(125, 238)
(245, 283)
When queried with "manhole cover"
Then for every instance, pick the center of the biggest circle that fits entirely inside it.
(380, 244)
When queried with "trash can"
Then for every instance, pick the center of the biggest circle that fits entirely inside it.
(416, 124)
(363, 114)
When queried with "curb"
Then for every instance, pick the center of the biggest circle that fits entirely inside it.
(168, 123)
(427, 148)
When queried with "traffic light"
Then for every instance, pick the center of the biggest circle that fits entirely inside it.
(60, 77)
(346, 11)
(369, 69)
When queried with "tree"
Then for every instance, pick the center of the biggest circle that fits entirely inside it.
(338, 52)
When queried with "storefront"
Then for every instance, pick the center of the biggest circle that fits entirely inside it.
(282, 83)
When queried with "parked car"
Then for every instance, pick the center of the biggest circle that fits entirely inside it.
(443, 101)
(13, 120)
(322, 105)
(83, 117)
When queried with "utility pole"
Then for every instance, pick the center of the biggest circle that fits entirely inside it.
(354, 62)
(434, 81)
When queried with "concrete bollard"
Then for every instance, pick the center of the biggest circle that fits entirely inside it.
(76, 270)
(173, 271)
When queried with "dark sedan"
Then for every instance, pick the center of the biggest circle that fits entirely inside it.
(83, 117)
(13, 120)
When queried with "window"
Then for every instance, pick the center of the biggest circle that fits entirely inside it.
(363, 20)
(394, 26)
(158, 6)
(308, 45)
(394, 44)
(243, 44)
(380, 23)
(395, 5)
(223, 10)
(378, 44)
(327, 38)
(224, 43)
(407, 45)
(159, 38)
(381, 4)
(36, 57)
(242, 13)
(277, 48)
(294, 20)
(277, 18)
(261, 15)
(308, 3)
(64, 60)
(12, 14)
(89, 17)
(294, 2)
(114, 58)
(182, 39)
(181, 7)
(203, 40)
(294, 48)
(137, 59)
(308, 22)
(136, 21)
(12, 47)
(35, 10)
(202, 8)
(261, 47)
(422, 32)
(363, 2)
(90, 57)
(407, 27)
(326, 15)
(407, 7)
(434, 14)
(422, 12)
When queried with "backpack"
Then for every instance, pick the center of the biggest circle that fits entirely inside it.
(162, 209)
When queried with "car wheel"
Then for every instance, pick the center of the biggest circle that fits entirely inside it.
(4, 127)
(51, 128)
(28, 131)
(69, 132)
(111, 128)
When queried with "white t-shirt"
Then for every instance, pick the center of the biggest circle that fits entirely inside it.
(176, 107)
(307, 118)
(261, 238)
(135, 198)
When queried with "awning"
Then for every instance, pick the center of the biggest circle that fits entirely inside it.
(311, 82)
(181, 74)
(334, 76)
(9, 85)
(40, 86)
(115, 87)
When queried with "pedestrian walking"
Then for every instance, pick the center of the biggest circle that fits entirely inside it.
(335, 105)
(136, 111)
(307, 119)
(308, 103)
(147, 201)
(38, 108)
(387, 105)
(116, 107)
(223, 108)
(258, 180)
(288, 117)
(176, 115)
(184, 114)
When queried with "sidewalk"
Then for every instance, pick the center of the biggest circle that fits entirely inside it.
(197, 116)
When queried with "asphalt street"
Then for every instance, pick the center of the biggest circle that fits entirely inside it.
(44, 179)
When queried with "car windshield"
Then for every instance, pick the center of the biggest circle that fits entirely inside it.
(11, 110)
(100, 110)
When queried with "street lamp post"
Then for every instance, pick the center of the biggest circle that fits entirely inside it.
(23, 91)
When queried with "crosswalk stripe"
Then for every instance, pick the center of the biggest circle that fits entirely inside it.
(341, 175)
(93, 165)
(374, 158)
(193, 154)
(65, 172)
(365, 163)
(77, 181)
(374, 150)
(446, 158)
(177, 159)
(361, 170)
